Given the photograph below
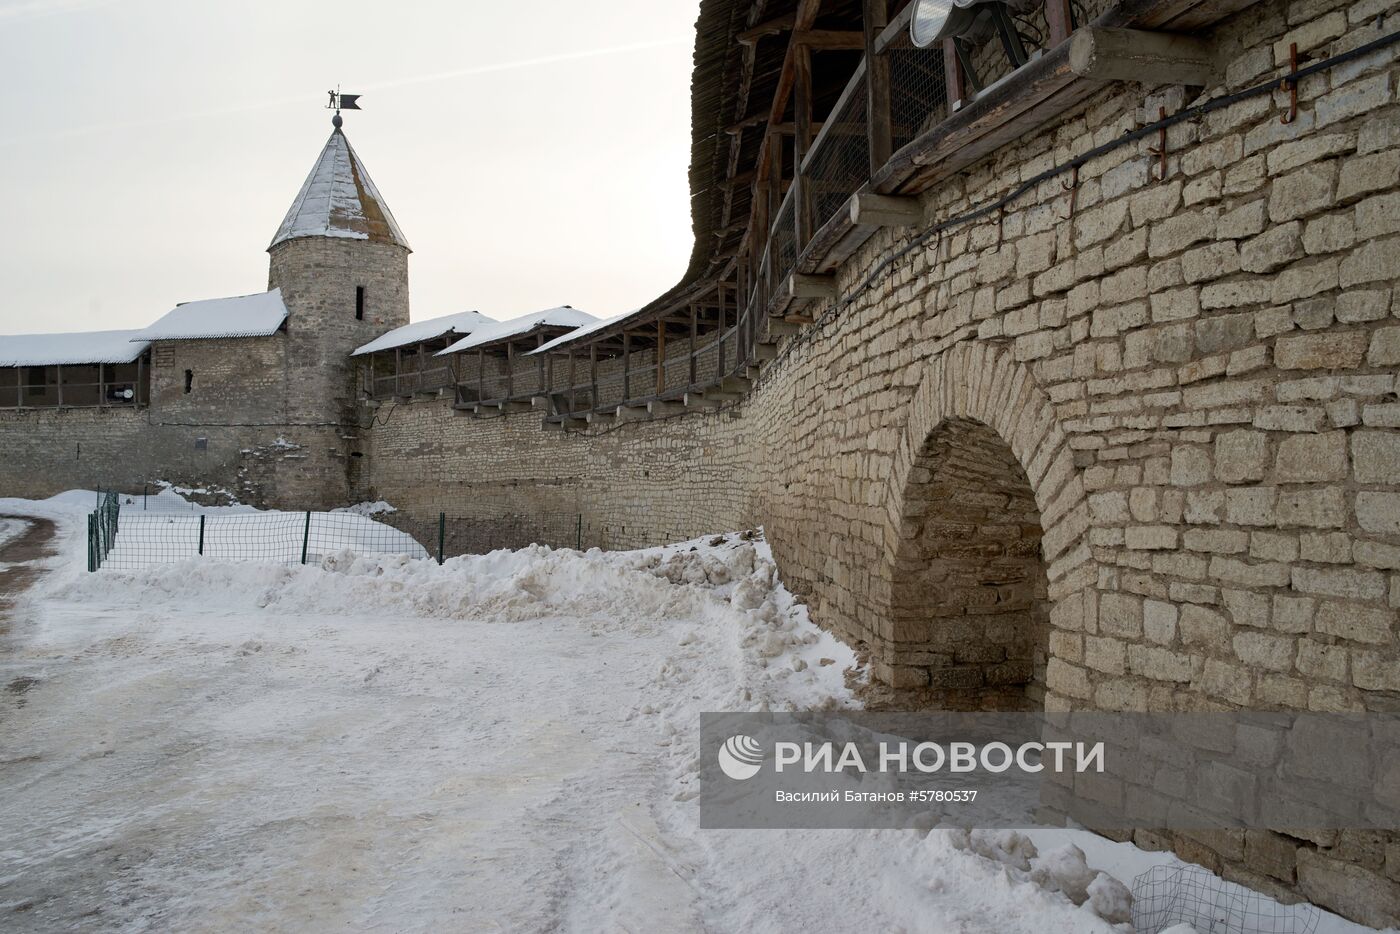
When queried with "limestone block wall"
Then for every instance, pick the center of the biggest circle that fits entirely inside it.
(47, 451)
(1192, 378)
(318, 277)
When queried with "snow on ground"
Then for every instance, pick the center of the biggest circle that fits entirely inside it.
(505, 742)
(11, 529)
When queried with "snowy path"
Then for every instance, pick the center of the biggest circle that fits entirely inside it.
(501, 744)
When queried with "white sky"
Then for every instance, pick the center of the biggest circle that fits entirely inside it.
(534, 153)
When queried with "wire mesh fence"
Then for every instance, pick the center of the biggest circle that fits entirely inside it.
(449, 536)
(143, 538)
(1166, 896)
(130, 533)
(102, 529)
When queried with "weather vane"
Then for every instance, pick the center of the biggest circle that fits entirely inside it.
(340, 102)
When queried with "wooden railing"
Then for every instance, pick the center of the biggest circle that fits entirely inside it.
(74, 386)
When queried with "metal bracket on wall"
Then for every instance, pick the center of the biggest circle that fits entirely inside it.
(1073, 188)
(1290, 84)
(1160, 150)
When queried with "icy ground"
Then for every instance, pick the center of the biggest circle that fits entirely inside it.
(503, 743)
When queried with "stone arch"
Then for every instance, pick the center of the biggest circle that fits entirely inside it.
(985, 547)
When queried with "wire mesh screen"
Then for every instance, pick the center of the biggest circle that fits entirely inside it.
(447, 536)
(839, 162)
(918, 91)
(1166, 896)
(478, 535)
(144, 538)
(782, 246)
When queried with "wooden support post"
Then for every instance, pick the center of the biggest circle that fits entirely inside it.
(510, 369)
(58, 383)
(955, 78)
(801, 140)
(1137, 55)
(722, 317)
(877, 85)
(480, 374)
(398, 370)
(626, 365)
(694, 332)
(660, 357)
(572, 405)
(1059, 17)
(542, 386)
(592, 375)
(874, 210)
(775, 183)
(102, 385)
(140, 374)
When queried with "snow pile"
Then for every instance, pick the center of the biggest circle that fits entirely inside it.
(376, 741)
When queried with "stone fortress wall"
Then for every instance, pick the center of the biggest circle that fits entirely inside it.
(1144, 457)
(1141, 455)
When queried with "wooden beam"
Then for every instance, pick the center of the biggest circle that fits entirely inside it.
(1138, 55)
(773, 27)
(954, 77)
(801, 286)
(877, 84)
(829, 39)
(885, 210)
(801, 140)
(1060, 19)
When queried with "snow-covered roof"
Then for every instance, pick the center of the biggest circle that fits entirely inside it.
(462, 323)
(338, 199)
(242, 316)
(579, 333)
(564, 317)
(75, 348)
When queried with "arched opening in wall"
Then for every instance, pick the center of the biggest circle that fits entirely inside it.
(971, 618)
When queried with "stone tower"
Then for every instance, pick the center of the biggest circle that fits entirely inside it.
(342, 265)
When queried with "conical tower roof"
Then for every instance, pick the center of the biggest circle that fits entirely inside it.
(338, 199)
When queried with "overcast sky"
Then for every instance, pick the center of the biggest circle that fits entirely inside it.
(534, 153)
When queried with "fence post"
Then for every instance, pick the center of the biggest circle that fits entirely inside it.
(442, 533)
(145, 496)
(578, 532)
(306, 536)
(201, 536)
(92, 542)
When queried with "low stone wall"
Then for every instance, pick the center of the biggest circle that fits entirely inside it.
(47, 451)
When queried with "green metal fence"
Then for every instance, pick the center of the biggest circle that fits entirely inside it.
(102, 529)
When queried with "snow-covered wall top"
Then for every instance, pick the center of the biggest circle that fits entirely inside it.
(241, 316)
(75, 348)
(463, 323)
(564, 317)
(338, 199)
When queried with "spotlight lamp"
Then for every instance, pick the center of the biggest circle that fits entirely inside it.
(970, 23)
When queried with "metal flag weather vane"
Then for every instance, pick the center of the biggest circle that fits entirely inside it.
(339, 101)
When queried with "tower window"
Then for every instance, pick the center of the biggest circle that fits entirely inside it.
(359, 303)
(189, 381)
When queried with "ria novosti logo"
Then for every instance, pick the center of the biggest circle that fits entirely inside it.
(740, 757)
